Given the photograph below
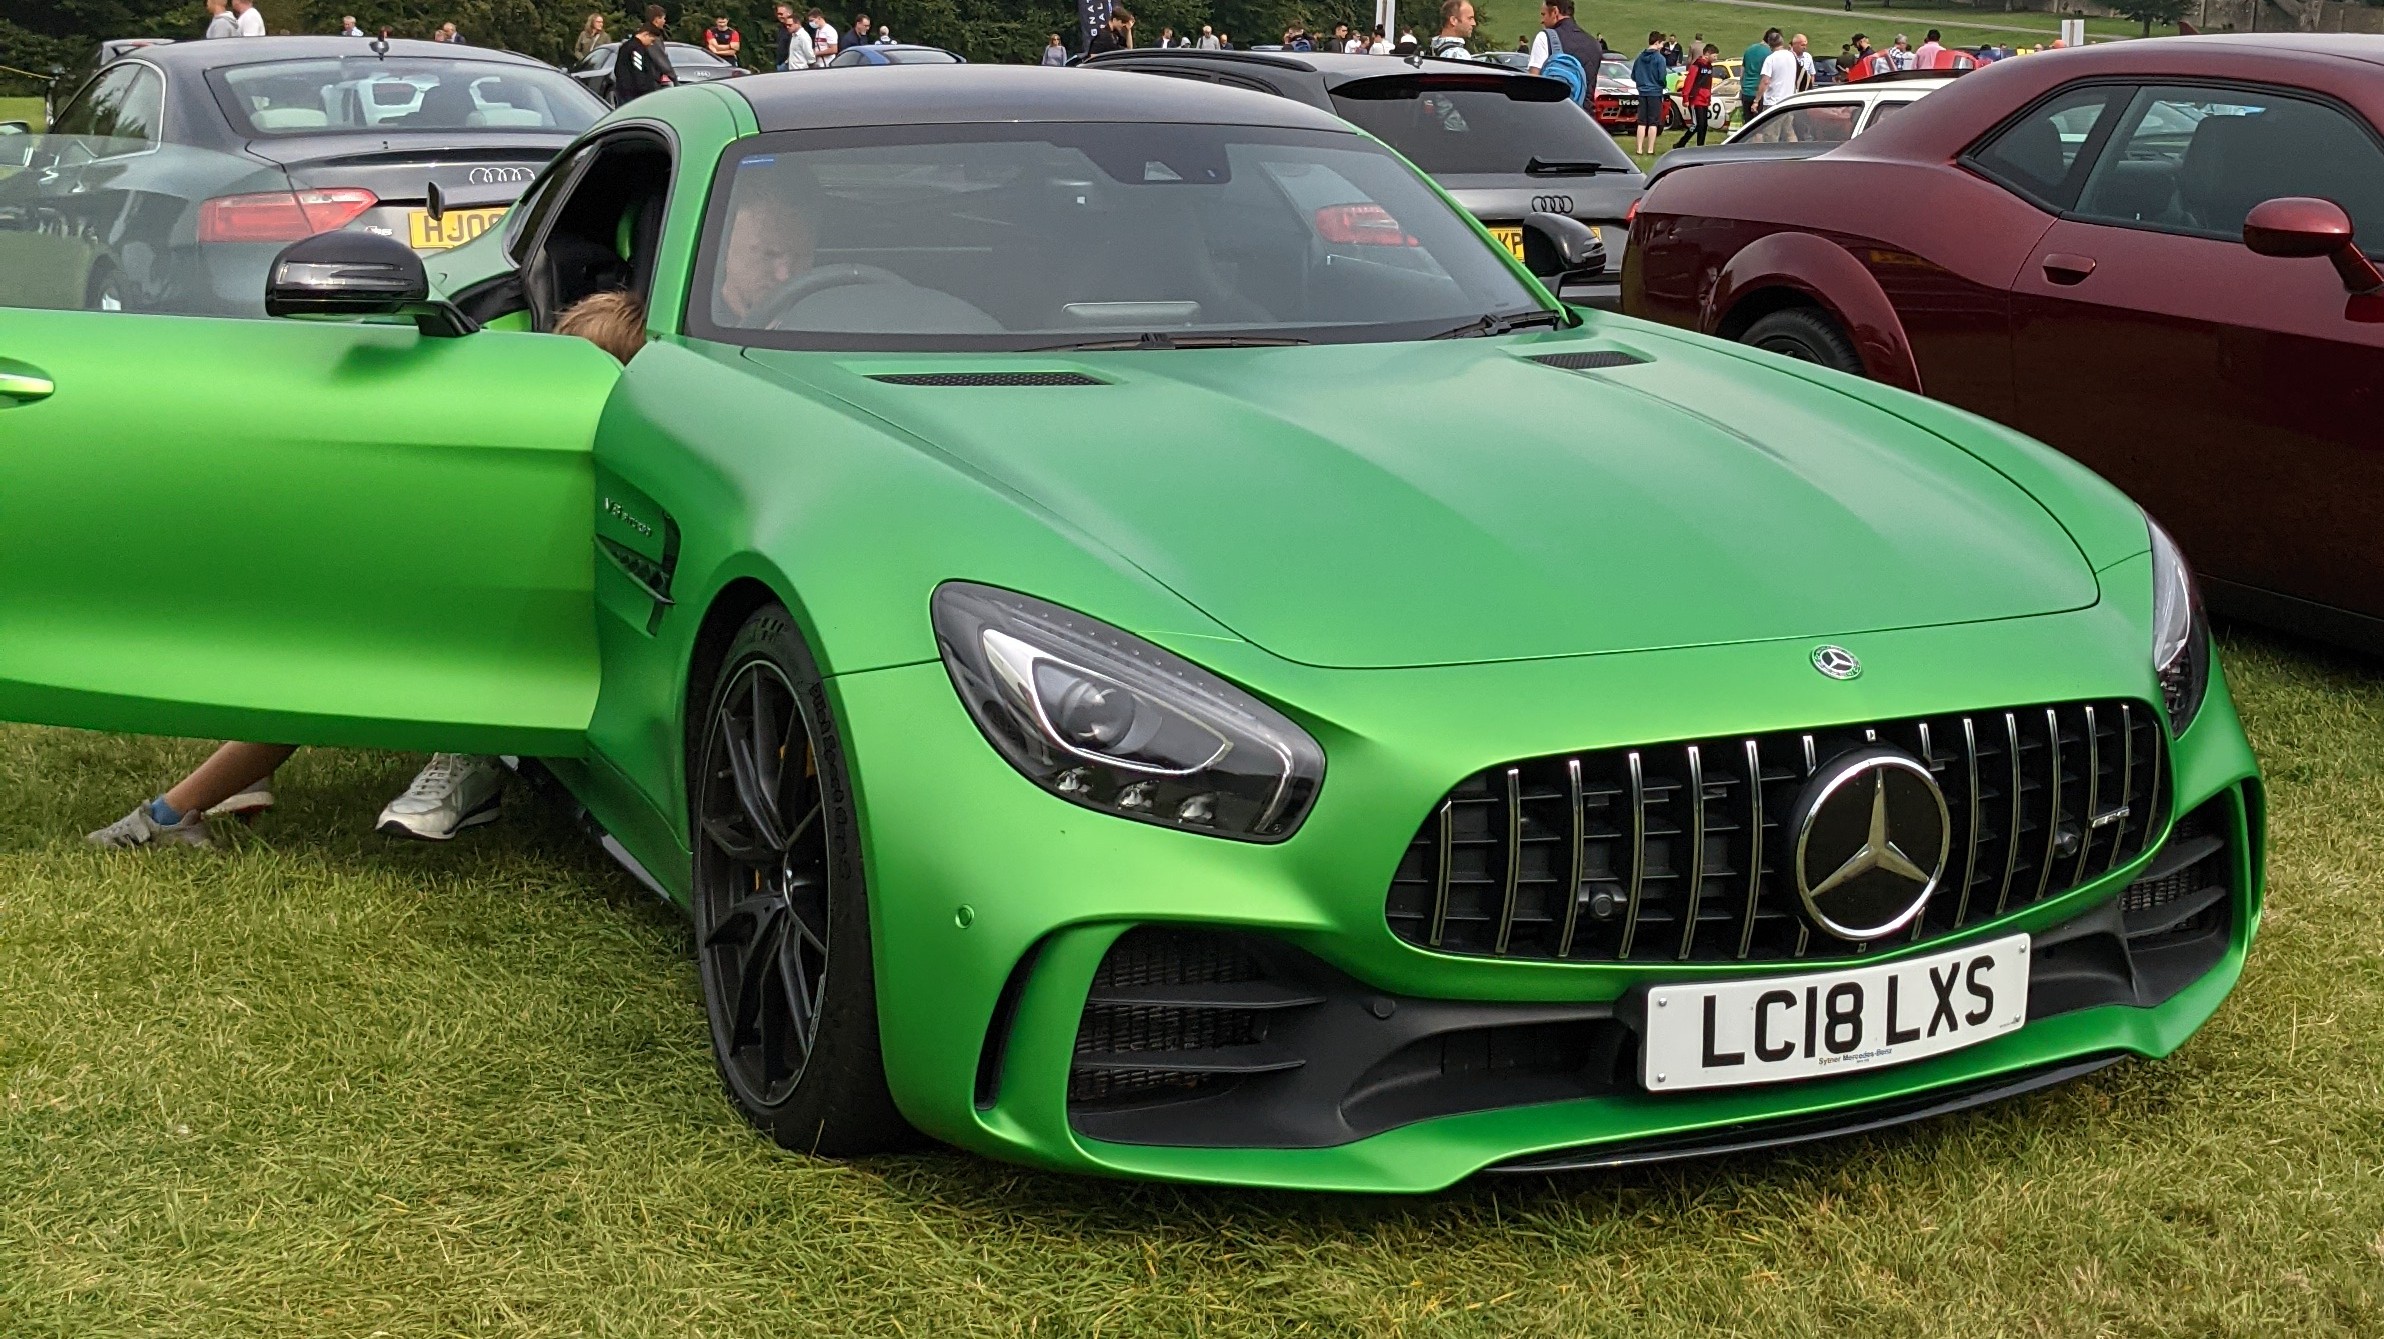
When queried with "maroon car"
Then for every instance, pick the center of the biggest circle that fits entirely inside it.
(2140, 252)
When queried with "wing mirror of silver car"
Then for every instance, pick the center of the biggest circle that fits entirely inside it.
(347, 275)
(2300, 227)
(1559, 248)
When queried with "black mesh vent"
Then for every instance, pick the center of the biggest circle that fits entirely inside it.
(1593, 361)
(1679, 852)
(1176, 1013)
(986, 379)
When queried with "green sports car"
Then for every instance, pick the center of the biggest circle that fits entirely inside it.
(1047, 603)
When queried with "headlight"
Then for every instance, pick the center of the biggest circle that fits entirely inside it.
(1107, 720)
(2180, 636)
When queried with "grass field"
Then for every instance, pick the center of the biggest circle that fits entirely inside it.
(330, 1085)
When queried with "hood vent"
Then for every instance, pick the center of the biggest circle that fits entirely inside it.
(986, 379)
(1596, 360)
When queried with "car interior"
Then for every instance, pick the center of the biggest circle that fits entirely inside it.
(605, 232)
(2201, 166)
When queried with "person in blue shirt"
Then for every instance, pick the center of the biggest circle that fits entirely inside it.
(1649, 72)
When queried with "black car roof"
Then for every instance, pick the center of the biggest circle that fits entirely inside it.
(976, 94)
(1334, 69)
(255, 50)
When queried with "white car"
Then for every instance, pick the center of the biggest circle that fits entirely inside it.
(1836, 113)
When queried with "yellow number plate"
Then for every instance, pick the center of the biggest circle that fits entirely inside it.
(455, 227)
(1512, 238)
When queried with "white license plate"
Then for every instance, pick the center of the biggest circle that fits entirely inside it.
(1771, 1029)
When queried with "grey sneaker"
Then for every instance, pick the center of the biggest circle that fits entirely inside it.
(453, 792)
(247, 804)
(138, 829)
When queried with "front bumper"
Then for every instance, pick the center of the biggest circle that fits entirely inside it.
(993, 904)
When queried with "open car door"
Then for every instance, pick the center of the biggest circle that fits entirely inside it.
(301, 532)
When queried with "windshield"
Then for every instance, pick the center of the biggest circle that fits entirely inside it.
(1496, 125)
(1054, 235)
(339, 95)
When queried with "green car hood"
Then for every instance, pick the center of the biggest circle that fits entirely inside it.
(1378, 505)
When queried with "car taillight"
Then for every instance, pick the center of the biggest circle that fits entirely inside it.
(282, 216)
(1631, 215)
(1361, 225)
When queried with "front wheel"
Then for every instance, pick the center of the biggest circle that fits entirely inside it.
(1806, 335)
(780, 906)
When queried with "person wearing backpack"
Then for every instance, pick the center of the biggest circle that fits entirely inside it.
(1562, 41)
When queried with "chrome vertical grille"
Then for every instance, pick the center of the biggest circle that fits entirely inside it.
(1679, 852)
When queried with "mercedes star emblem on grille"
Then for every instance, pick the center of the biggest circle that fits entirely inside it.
(1837, 662)
(1872, 835)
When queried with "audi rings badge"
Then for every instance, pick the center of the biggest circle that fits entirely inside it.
(1552, 204)
(500, 176)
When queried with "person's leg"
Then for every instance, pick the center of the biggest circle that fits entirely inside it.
(178, 817)
(232, 768)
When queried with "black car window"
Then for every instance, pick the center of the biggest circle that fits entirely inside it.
(1455, 125)
(2042, 153)
(1005, 237)
(126, 103)
(607, 227)
(2195, 160)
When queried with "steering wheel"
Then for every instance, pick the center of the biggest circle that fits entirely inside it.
(769, 309)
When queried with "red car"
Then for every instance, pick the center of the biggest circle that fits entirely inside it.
(2156, 256)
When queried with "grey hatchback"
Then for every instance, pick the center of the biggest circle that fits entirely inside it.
(1502, 143)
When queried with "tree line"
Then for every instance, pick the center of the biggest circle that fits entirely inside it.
(62, 34)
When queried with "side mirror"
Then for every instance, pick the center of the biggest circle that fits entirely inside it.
(1558, 248)
(16, 127)
(2299, 227)
(345, 275)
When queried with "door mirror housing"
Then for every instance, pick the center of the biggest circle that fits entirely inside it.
(16, 127)
(1558, 248)
(348, 275)
(2299, 227)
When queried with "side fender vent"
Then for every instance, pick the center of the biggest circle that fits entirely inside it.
(1596, 360)
(986, 379)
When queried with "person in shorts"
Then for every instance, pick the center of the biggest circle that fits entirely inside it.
(1649, 72)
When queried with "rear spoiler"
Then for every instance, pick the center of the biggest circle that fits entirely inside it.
(1680, 160)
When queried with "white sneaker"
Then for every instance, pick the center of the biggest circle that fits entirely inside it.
(247, 804)
(138, 829)
(453, 792)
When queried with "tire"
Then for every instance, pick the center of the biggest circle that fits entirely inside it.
(1807, 335)
(781, 906)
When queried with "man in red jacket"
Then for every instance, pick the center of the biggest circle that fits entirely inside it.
(1696, 93)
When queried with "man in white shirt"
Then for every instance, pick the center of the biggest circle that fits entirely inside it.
(1787, 71)
(248, 19)
(348, 28)
(1456, 28)
(1900, 55)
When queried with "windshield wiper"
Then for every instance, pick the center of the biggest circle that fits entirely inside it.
(1159, 339)
(1544, 167)
(1501, 323)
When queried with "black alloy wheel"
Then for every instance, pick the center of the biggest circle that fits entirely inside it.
(781, 922)
(1806, 335)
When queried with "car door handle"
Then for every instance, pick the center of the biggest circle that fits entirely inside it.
(26, 384)
(2067, 269)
